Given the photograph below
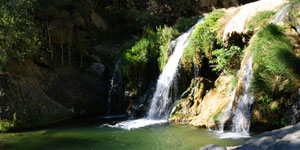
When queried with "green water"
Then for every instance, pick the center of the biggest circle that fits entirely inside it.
(89, 135)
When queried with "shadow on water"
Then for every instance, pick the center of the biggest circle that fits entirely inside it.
(53, 143)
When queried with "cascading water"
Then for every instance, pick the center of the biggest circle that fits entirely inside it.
(226, 114)
(115, 84)
(242, 115)
(245, 99)
(281, 15)
(241, 119)
(161, 102)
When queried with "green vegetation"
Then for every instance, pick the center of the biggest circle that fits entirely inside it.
(183, 24)
(164, 37)
(5, 125)
(203, 40)
(228, 58)
(151, 48)
(275, 71)
(18, 35)
(260, 20)
(233, 83)
(216, 116)
(275, 63)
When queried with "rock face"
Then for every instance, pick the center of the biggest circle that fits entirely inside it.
(285, 138)
(31, 96)
(236, 26)
(214, 102)
(199, 110)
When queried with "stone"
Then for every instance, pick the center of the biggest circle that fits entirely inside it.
(213, 147)
(97, 69)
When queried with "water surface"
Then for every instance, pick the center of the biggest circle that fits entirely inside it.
(90, 134)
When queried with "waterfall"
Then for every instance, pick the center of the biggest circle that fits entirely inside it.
(244, 99)
(115, 85)
(160, 103)
(226, 114)
(242, 115)
(298, 30)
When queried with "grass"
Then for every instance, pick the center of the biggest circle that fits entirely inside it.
(164, 37)
(260, 20)
(203, 40)
(275, 64)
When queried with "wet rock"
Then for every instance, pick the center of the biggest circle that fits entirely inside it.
(214, 102)
(213, 147)
(97, 69)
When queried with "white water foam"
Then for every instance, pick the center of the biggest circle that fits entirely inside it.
(134, 124)
(231, 135)
(115, 83)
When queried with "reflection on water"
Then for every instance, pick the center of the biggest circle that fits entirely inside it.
(90, 134)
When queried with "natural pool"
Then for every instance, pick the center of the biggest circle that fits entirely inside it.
(90, 134)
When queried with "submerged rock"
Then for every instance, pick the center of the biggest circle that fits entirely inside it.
(213, 147)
